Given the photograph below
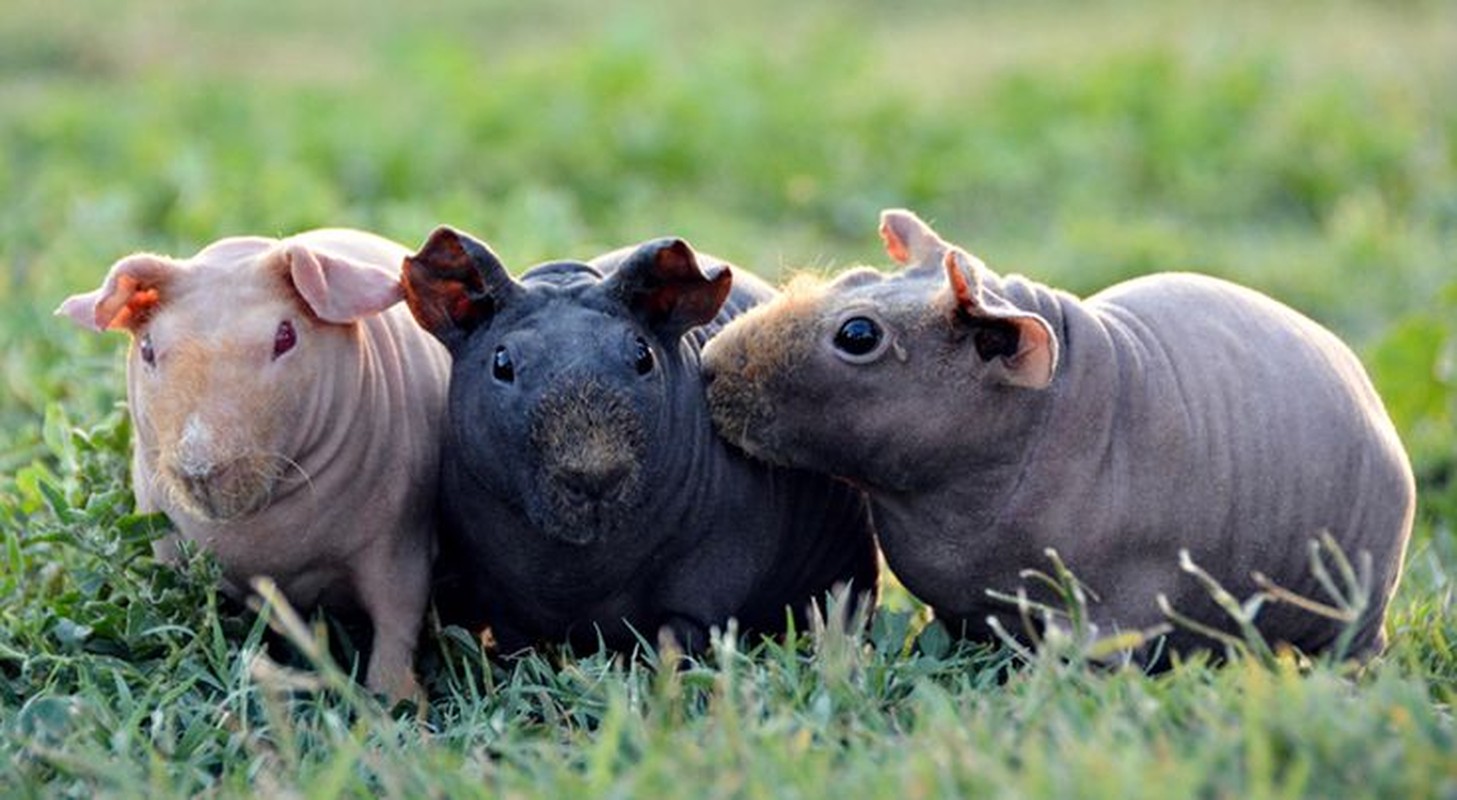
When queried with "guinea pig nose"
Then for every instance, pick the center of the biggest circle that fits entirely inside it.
(199, 475)
(596, 479)
(709, 356)
(719, 359)
(190, 467)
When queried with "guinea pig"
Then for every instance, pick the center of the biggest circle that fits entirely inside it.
(286, 414)
(585, 497)
(993, 418)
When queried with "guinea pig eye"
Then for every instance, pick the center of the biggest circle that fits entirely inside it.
(643, 358)
(501, 367)
(144, 346)
(284, 338)
(858, 337)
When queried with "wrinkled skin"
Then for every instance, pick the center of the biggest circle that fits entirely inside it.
(585, 496)
(992, 418)
(286, 412)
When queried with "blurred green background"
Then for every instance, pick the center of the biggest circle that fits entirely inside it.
(1304, 148)
(1308, 149)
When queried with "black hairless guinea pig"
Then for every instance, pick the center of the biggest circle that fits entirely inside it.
(585, 495)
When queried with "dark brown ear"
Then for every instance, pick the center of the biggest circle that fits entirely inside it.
(131, 291)
(454, 284)
(1019, 343)
(662, 284)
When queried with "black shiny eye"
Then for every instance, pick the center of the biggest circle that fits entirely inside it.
(858, 336)
(501, 367)
(643, 360)
(144, 346)
(284, 338)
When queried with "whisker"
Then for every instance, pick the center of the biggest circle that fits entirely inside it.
(291, 465)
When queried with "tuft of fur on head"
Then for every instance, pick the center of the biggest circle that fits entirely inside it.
(805, 285)
(749, 357)
(768, 339)
(591, 445)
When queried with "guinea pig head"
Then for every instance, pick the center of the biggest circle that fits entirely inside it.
(881, 379)
(236, 355)
(568, 386)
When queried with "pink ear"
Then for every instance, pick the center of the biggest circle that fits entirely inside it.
(963, 275)
(1033, 363)
(908, 239)
(132, 289)
(341, 289)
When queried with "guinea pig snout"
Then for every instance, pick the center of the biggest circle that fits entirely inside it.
(734, 402)
(590, 442)
(225, 491)
(589, 438)
(214, 481)
(718, 358)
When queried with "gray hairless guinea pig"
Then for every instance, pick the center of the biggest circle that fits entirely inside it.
(990, 418)
(286, 413)
(585, 496)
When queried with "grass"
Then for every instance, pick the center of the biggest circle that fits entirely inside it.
(1309, 150)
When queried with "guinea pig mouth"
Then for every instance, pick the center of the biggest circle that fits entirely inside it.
(223, 492)
(742, 417)
(578, 520)
(584, 506)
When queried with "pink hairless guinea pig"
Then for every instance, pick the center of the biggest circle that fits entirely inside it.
(286, 413)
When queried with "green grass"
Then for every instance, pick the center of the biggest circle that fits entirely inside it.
(1308, 150)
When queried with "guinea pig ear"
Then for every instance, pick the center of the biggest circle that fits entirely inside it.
(454, 284)
(662, 283)
(1019, 344)
(131, 291)
(338, 288)
(909, 240)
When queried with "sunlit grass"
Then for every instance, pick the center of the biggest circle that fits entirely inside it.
(1306, 149)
